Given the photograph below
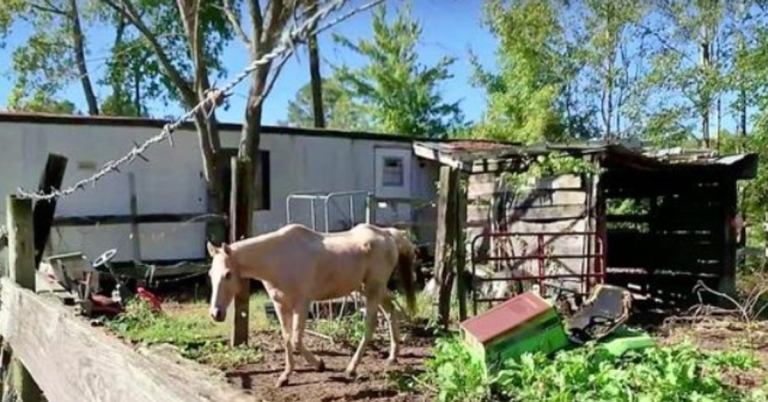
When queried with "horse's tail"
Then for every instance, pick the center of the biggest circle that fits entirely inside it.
(406, 256)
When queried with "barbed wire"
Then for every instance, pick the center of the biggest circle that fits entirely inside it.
(285, 47)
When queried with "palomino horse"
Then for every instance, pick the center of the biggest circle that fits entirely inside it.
(299, 265)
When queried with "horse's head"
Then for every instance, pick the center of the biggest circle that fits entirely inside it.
(225, 280)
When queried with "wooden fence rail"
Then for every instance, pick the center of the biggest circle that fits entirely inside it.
(69, 360)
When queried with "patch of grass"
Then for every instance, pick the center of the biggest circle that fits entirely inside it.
(347, 330)
(679, 372)
(189, 328)
(221, 356)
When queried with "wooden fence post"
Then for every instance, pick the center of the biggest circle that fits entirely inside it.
(241, 213)
(461, 242)
(43, 213)
(21, 260)
(445, 242)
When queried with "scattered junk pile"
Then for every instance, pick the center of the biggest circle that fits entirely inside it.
(81, 284)
(530, 323)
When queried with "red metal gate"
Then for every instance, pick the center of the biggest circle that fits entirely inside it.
(588, 278)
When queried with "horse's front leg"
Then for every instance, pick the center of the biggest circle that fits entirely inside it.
(371, 311)
(285, 316)
(390, 313)
(300, 314)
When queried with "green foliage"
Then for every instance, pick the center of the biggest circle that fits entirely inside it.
(194, 334)
(456, 374)
(345, 330)
(678, 372)
(133, 60)
(139, 323)
(399, 94)
(44, 63)
(528, 97)
(550, 165)
(341, 110)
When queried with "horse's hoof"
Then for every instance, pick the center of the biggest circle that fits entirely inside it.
(282, 381)
(391, 361)
(350, 373)
(320, 366)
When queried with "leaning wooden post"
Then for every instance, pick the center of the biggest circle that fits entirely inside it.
(43, 212)
(240, 213)
(445, 243)
(21, 264)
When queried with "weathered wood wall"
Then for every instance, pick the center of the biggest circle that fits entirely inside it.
(677, 233)
(560, 205)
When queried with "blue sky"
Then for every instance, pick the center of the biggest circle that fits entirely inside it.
(449, 27)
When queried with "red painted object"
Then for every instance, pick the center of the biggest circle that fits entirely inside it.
(150, 298)
(514, 313)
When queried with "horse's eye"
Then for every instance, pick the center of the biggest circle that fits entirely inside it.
(227, 275)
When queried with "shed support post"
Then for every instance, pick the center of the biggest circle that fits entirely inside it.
(727, 283)
(445, 243)
(241, 216)
(44, 210)
(462, 182)
(21, 264)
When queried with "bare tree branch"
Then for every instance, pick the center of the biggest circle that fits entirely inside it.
(48, 9)
(126, 8)
(257, 22)
(273, 78)
(236, 25)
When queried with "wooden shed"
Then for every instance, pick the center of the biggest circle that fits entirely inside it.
(655, 223)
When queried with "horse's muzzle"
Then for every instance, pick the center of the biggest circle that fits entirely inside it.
(218, 315)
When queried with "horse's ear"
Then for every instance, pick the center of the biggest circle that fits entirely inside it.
(225, 248)
(211, 249)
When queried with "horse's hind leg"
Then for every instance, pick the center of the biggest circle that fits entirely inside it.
(299, 324)
(285, 315)
(372, 299)
(390, 313)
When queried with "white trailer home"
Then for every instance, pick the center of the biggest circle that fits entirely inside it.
(170, 190)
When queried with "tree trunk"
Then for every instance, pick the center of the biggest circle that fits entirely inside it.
(316, 79)
(705, 101)
(317, 84)
(78, 43)
(252, 134)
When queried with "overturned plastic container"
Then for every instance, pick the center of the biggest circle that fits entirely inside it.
(524, 323)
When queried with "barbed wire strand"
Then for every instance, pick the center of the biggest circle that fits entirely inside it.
(286, 46)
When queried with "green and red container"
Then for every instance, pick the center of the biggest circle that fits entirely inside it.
(525, 323)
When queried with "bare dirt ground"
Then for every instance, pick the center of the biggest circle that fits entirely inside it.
(375, 381)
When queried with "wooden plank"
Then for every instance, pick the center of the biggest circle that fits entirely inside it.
(128, 219)
(44, 210)
(445, 240)
(21, 242)
(461, 246)
(22, 269)
(94, 366)
(240, 227)
(135, 238)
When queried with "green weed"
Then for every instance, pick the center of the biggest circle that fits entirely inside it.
(189, 328)
(668, 373)
(344, 330)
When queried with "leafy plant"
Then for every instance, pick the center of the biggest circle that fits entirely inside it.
(139, 323)
(551, 165)
(456, 374)
(679, 372)
(346, 330)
